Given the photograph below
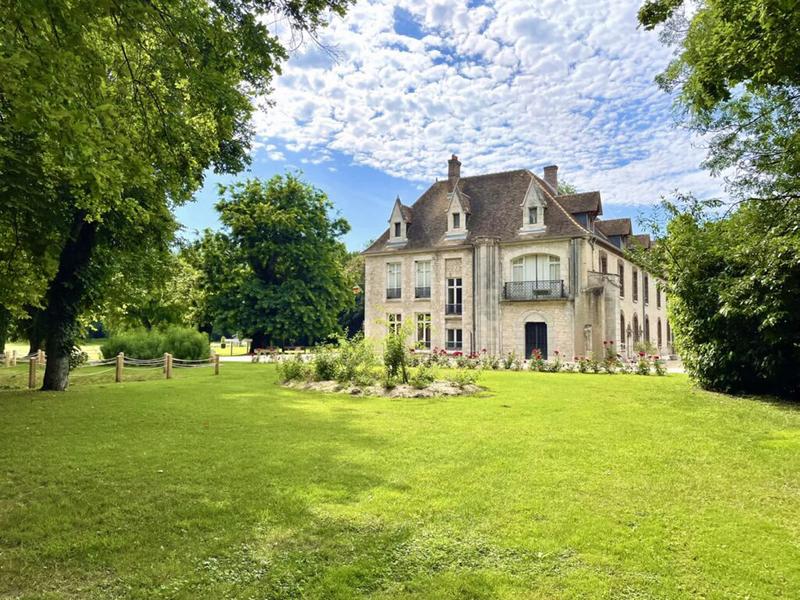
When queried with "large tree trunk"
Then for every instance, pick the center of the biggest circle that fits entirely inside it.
(64, 299)
(259, 340)
(5, 322)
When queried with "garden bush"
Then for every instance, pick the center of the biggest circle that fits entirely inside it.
(423, 377)
(395, 356)
(182, 342)
(463, 377)
(294, 370)
(326, 363)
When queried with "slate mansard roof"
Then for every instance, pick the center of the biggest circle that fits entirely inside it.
(495, 210)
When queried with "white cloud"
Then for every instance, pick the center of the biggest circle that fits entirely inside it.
(504, 86)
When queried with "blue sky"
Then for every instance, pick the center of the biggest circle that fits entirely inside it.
(506, 84)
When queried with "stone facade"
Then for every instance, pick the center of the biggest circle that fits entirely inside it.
(574, 310)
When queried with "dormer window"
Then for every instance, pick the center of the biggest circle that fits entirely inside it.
(457, 213)
(398, 225)
(533, 207)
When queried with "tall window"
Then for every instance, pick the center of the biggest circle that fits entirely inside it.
(456, 220)
(454, 296)
(635, 285)
(395, 321)
(658, 333)
(646, 291)
(424, 330)
(647, 329)
(621, 271)
(454, 339)
(621, 328)
(603, 263)
(393, 281)
(533, 215)
(635, 329)
(536, 267)
(423, 275)
(658, 296)
(397, 229)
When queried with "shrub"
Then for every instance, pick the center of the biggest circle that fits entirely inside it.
(293, 370)
(395, 356)
(583, 364)
(659, 366)
(537, 362)
(186, 343)
(643, 364)
(569, 367)
(490, 362)
(594, 365)
(356, 361)
(326, 363)
(77, 357)
(509, 359)
(463, 377)
(182, 342)
(422, 377)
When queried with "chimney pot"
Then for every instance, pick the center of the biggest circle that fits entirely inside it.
(453, 169)
(551, 177)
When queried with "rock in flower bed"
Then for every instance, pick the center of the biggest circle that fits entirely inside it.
(437, 388)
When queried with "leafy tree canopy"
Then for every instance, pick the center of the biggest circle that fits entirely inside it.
(110, 114)
(737, 74)
(278, 273)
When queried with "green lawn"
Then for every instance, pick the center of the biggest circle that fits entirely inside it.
(545, 486)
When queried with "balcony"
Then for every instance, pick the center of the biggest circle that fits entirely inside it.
(452, 309)
(534, 290)
(393, 293)
(422, 292)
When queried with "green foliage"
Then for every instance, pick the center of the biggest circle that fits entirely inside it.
(277, 272)
(326, 363)
(184, 343)
(738, 82)
(356, 361)
(395, 355)
(77, 358)
(733, 285)
(294, 370)
(112, 113)
(422, 377)
(463, 377)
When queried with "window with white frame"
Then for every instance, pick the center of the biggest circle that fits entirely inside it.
(424, 330)
(454, 339)
(395, 322)
(393, 281)
(536, 267)
(423, 279)
(454, 296)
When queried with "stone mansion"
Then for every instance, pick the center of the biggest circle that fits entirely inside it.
(503, 263)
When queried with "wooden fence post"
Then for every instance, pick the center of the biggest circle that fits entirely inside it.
(13, 358)
(40, 357)
(7, 359)
(120, 364)
(31, 373)
(169, 365)
(216, 364)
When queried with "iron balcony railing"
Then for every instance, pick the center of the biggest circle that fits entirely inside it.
(534, 290)
(452, 309)
(422, 292)
(392, 293)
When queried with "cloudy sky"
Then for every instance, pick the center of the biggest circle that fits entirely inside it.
(505, 85)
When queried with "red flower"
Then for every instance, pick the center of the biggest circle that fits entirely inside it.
(575, 358)
(641, 354)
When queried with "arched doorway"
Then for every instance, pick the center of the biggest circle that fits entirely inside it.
(535, 338)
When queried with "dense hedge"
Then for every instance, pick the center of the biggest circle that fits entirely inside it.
(181, 342)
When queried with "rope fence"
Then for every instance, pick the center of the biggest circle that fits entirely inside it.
(165, 364)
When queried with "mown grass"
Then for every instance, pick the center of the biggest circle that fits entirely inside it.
(544, 486)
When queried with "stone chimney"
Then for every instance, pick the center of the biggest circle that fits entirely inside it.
(453, 169)
(551, 177)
